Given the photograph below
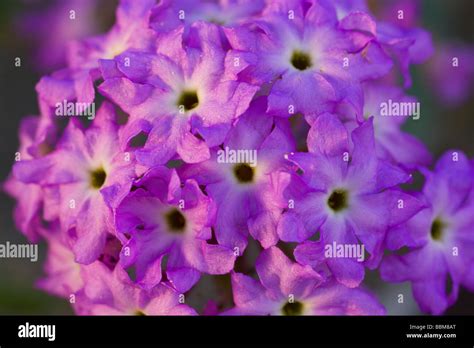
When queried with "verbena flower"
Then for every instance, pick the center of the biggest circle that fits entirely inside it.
(451, 74)
(37, 137)
(287, 288)
(62, 272)
(180, 97)
(109, 292)
(347, 194)
(164, 217)
(88, 175)
(254, 186)
(170, 14)
(229, 122)
(310, 61)
(439, 237)
(57, 17)
(76, 82)
(396, 32)
(391, 142)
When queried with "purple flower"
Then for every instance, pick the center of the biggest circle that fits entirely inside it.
(181, 96)
(63, 273)
(404, 43)
(193, 155)
(346, 194)
(403, 13)
(440, 237)
(52, 28)
(109, 292)
(76, 82)
(170, 14)
(345, 7)
(246, 178)
(452, 74)
(37, 138)
(86, 176)
(391, 142)
(131, 30)
(164, 218)
(307, 59)
(406, 46)
(287, 288)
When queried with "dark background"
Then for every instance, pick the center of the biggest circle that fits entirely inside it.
(440, 127)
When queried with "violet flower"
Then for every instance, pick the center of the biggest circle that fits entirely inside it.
(451, 73)
(221, 93)
(287, 288)
(76, 82)
(170, 14)
(439, 237)
(348, 195)
(163, 218)
(112, 293)
(88, 175)
(309, 61)
(392, 143)
(253, 183)
(180, 97)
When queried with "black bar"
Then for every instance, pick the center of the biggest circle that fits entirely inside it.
(136, 331)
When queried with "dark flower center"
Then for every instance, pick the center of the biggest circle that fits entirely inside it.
(337, 201)
(176, 221)
(216, 21)
(437, 228)
(97, 178)
(189, 100)
(139, 313)
(44, 149)
(301, 60)
(243, 172)
(292, 308)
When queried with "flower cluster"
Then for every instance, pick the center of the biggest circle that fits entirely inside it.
(244, 132)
